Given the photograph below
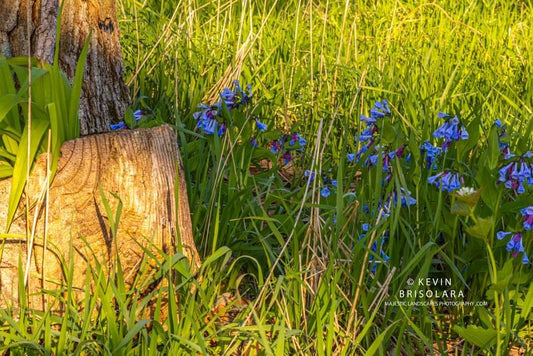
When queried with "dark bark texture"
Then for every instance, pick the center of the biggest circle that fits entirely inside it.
(105, 96)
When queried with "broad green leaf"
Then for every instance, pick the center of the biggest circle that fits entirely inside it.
(480, 337)
(460, 208)
(38, 132)
(129, 118)
(481, 228)
(8, 102)
(7, 86)
(73, 126)
(6, 170)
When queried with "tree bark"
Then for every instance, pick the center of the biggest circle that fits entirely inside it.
(140, 167)
(105, 97)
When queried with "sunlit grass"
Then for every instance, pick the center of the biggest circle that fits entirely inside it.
(270, 237)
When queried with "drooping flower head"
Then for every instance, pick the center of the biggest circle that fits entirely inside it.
(328, 186)
(432, 153)
(447, 181)
(208, 116)
(502, 133)
(514, 244)
(261, 126)
(451, 130)
(287, 145)
(404, 196)
(517, 174)
(527, 214)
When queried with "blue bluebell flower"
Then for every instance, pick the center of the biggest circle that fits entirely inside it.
(446, 181)
(368, 121)
(261, 126)
(245, 97)
(296, 137)
(221, 129)
(207, 116)
(138, 114)
(432, 153)
(228, 96)
(287, 157)
(327, 184)
(350, 157)
(275, 147)
(527, 214)
(451, 130)
(209, 126)
(120, 126)
(310, 175)
(405, 197)
(514, 244)
(253, 141)
(383, 106)
(504, 146)
(500, 235)
(368, 133)
(515, 175)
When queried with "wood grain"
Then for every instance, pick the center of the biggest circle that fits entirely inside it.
(140, 167)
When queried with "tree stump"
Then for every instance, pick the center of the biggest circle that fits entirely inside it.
(142, 168)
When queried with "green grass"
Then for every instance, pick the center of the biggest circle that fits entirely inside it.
(315, 67)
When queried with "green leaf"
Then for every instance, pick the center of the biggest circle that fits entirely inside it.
(129, 118)
(6, 170)
(131, 334)
(74, 125)
(38, 132)
(503, 279)
(8, 102)
(528, 303)
(493, 151)
(460, 208)
(480, 337)
(481, 228)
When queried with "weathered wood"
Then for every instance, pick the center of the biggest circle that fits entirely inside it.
(139, 166)
(105, 96)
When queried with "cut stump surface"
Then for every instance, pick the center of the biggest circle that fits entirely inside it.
(142, 168)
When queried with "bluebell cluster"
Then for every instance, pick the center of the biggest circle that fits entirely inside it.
(516, 174)
(207, 119)
(286, 145)
(365, 228)
(514, 244)
(502, 133)
(447, 181)
(432, 153)
(327, 184)
(370, 133)
(404, 196)
(451, 130)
